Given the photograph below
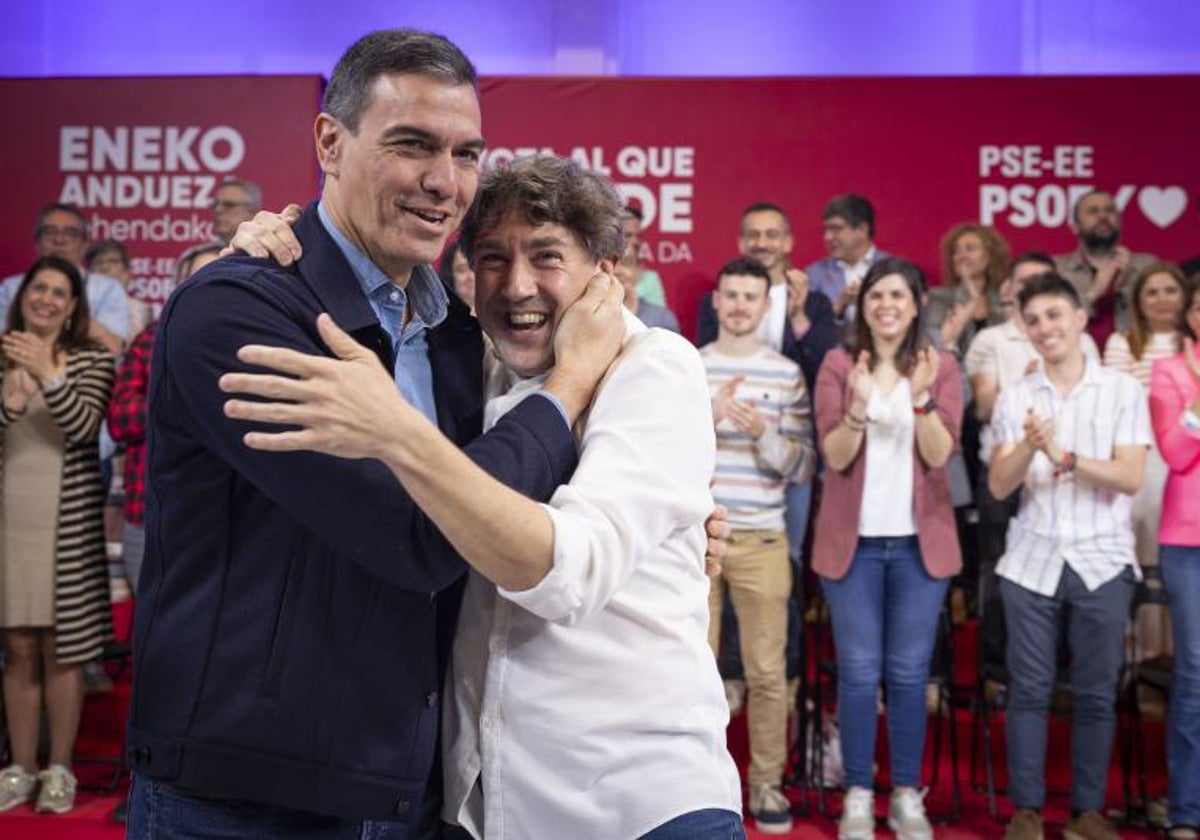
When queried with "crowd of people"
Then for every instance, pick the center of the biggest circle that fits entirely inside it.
(1030, 425)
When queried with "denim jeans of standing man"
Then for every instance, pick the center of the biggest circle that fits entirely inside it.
(885, 617)
(1096, 634)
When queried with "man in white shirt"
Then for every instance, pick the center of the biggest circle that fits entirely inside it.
(1073, 436)
(584, 701)
(763, 422)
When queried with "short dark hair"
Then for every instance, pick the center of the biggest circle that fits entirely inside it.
(183, 264)
(545, 189)
(1036, 258)
(388, 52)
(914, 339)
(634, 211)
(59, 207)
(1050, 283)
(855, 209)
(104, 246)
(744, 266)
(767, 207)
(1086, 195)
(75, 331)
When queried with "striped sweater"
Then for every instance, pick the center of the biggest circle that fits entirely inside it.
(82, 609)
(751, 476)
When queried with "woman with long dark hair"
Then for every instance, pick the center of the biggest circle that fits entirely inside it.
(889, 410)
(54, 597)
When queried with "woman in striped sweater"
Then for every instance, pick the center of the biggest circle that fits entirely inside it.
(54, 603)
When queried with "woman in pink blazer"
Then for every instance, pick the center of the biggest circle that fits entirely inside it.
(889, 411)
(1175, 412)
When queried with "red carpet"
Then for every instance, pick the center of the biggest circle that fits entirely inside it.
(104, 717)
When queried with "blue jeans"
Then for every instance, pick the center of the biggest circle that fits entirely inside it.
(885, 618)
(708, 824)
(1096, 633)
(1181, 577)
(159, 811)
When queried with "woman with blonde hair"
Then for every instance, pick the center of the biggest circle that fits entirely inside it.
(54, 597)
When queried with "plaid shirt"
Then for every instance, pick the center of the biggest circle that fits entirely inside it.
(127, 420)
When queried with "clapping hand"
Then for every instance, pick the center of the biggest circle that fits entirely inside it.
(745, 418)
(19, 388)
(924, 374)
(32, 353)
(798, 289)
(1039, 432)
(724, 396)
(860, 380)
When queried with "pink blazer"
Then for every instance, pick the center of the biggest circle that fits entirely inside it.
(1172, 389)
(836, 534)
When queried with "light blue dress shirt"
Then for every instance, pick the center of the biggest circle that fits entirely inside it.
(427, 295)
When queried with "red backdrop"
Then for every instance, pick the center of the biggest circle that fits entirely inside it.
(928, 152)
(142, 157)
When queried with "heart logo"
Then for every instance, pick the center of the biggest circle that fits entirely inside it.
(1162, 205)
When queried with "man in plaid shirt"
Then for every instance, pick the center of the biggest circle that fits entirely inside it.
(127, 420)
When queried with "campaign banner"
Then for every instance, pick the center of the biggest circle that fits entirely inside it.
(143, 157)
(928, 152)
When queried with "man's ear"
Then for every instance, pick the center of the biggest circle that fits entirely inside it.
(1081, 318)
(328, 133)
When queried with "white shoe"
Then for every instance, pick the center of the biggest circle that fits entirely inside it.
(906, 815)
(57, 795)
(858, 815)
(16, 786)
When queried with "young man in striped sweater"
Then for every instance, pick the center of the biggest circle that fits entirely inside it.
(764, 441)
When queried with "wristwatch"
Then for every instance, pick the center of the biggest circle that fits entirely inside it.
(1190, 421)
(54, 383)
(927, 407)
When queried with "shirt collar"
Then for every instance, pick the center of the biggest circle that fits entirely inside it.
(425, 290)
(1091, 375)
(863, 265)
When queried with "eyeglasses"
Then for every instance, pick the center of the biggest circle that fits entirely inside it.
(222, 204)
(65, 232)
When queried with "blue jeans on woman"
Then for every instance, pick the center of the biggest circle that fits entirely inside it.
(885, 618)
(1181, 577)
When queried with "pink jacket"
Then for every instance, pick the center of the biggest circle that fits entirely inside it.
(1172, 389)
(836, 534)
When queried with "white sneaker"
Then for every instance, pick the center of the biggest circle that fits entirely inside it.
(16, 786)
(858, 815)
(906, 815)
(57, 795)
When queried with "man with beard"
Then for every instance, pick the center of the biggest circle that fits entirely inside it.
(1101, 268)
(849, 224)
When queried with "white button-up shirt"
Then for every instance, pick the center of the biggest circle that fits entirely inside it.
(590, 706)
(1065, 520)
(1005, 351)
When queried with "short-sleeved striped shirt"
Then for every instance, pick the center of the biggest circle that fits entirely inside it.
(1066, 520)
(751, 475)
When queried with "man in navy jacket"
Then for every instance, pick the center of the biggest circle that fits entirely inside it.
(293, 611)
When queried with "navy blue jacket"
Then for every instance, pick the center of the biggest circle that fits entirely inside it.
(293, 606)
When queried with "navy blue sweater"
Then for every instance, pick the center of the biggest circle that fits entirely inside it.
(295, 609)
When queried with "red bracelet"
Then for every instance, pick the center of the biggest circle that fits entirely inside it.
(1066, 465)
